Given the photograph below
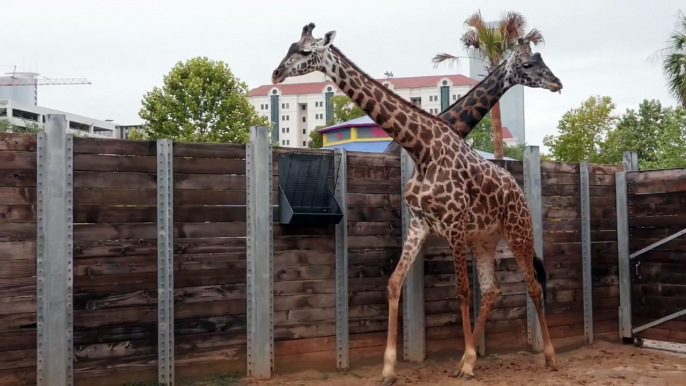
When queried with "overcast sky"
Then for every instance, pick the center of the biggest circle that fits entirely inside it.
(125, 47)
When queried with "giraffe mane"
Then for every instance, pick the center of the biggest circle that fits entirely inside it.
(402, 100)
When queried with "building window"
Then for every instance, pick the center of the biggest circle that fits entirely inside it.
(304, 131)
(283, 141)
(304, 119)
(288, 142)
(284, 105)
(304, 143)
(288, 129)
(303, 107)
(459, 96)
(285, 118)
(454, 97)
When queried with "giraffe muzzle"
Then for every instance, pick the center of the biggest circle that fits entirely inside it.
(277, 76)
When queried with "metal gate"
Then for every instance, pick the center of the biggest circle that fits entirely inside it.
(651, 234)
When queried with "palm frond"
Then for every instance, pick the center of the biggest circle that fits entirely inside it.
(534, 36)
(475, 20)
(512, 24)
(470, 39)
(444, 57)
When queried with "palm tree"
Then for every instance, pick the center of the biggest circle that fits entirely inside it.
(493, 43)
(674, 62)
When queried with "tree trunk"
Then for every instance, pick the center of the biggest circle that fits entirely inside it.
(497, 132)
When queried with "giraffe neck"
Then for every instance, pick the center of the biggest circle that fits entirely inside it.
(468, 111)
(399, 118)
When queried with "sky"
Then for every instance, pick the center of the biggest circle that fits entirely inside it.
(596, 47)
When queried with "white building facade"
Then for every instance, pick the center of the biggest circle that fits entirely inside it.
(23, 114)
(299, 105)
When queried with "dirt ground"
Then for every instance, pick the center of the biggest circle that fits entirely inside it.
(602, 364)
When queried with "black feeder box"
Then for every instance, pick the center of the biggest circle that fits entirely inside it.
(305, 189)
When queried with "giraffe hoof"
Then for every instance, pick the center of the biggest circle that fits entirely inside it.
(388, 381)
(463, 374)
(551, 364)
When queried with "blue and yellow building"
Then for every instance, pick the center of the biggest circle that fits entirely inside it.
(359, 134)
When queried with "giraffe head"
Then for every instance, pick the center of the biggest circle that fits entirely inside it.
(529, 69)
(304, 56)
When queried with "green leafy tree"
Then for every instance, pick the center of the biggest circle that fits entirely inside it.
(493, 44)
(316, 139)
(200, 101)
(582, 131)
(344, 109)
(674, 60)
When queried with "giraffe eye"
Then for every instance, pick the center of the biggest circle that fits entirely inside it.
(305, 51)
(527, 65)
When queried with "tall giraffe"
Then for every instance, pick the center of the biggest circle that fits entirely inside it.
(521, 68)
(454, 192)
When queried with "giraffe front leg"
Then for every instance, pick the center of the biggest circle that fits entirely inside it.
(416, 234)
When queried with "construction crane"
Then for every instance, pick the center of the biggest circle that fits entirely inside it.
(12, 81)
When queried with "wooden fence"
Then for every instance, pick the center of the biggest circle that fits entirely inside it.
(153, 229)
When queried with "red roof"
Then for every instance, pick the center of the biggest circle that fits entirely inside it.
(398, 83)
(507, 133)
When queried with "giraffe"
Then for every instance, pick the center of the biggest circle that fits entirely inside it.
(521, 68)
(454, 192)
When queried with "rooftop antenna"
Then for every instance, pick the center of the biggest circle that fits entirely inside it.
(388, 74)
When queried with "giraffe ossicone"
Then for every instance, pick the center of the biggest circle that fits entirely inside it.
(454, 192)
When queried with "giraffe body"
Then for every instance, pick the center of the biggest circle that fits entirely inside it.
(453, 192)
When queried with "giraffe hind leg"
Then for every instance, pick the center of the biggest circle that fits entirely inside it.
(521, 245)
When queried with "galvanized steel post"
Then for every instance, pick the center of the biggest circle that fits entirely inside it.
(342, 334)
(413, 288)
(259, 272)
(630, 162)
(532, 189)
(54, 254)
(165, 261)
(586, 250)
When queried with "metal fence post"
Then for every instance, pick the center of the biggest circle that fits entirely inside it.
(586, 250)
(413, 288)
(532, 188)
(259, 272)
(342, 335)
(630, 162)
(165, 261)
(54, 253)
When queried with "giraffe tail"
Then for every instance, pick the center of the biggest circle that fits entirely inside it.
(540, 275)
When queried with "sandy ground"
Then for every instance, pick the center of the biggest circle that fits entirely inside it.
(602, 364)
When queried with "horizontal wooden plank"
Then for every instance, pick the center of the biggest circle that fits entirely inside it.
(548, 189)
(365, 200)
(657, 198)
(147, 164)
(668, 221)
(373, 173)
(17, 214)
(17, 196)
(652, 187)
(10, 160)
(116, 180)
(390, 215)
(209, 150)
(559, 167)
(656, 210)
(17, 250)
(18, 142)
(656, 175)
(18, 177)
(84, 232)
(209, 181)
(85, 145)
(368, 185)
(356, 158)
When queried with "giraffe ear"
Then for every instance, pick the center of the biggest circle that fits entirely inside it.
(328, 38)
